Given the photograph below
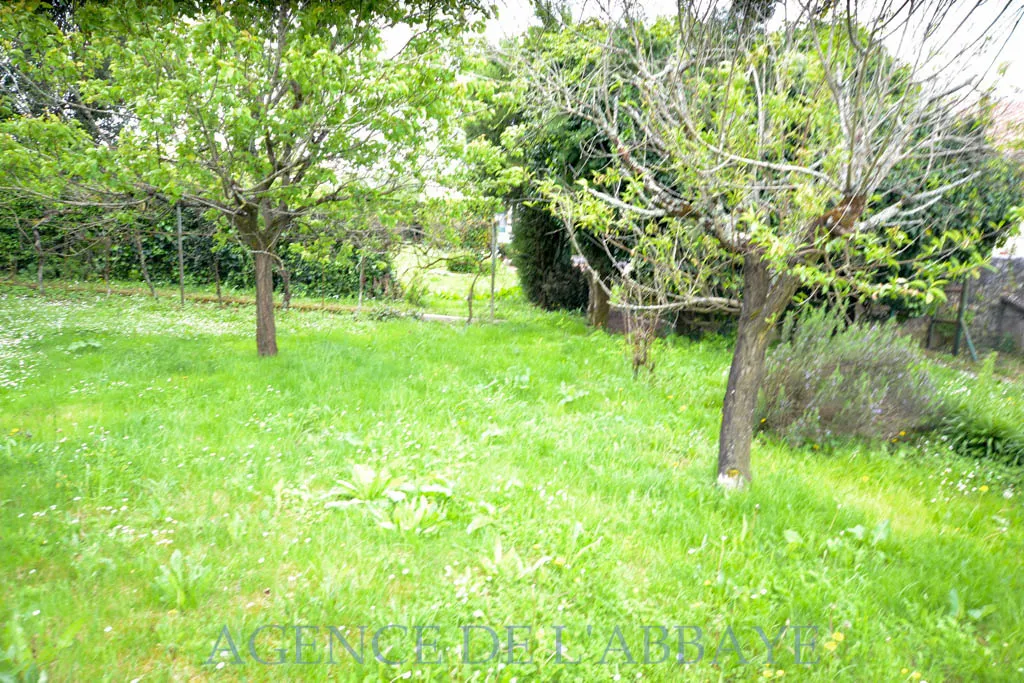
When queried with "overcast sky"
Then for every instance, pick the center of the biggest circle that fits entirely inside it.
(517, 15)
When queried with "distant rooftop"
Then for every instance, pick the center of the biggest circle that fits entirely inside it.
(1008, 127)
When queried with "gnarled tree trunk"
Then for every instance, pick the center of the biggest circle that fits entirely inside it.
(142, 263)
(37, 244)
(765, 296)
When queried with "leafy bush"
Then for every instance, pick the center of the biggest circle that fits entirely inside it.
(336, 273)
(542, 254)
(829, 380)
(466, 263)
(981, 419)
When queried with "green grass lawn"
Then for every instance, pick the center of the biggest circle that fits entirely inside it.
(446, 292)
(159, 482)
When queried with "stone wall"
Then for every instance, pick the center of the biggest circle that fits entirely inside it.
(996, 322)
(994, 310)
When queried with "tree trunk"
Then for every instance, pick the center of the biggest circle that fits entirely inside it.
(142, 264)
(286, 287)
(40, 258)
(362, 279)
(286, 280)
(65, 255)
(597, 301)
(764, 297)
(106, 263)
(181, 261)
(261, 245)
(469, 298)
(494, 262)
(266, 331)
(216, 277)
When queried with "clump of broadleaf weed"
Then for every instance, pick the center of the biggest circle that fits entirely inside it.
(416, 291)
(828, 379)
(181, 581)
(395, 503)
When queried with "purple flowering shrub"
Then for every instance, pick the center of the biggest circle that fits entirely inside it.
(830, 380)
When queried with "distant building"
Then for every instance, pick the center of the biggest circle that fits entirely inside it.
(504, 221)
(1013, 249)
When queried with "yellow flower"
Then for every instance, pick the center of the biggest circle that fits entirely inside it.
(904, 671)
(915, 675)
(903, 433)
(15, 430)
(682, 408)
(707, 582)
(767, 673)
(831, 645)
(838, 635)
(983, 488)
(780, 673)
(865, 478)
(763, 420)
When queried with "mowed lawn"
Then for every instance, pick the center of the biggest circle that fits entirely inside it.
(162, 488)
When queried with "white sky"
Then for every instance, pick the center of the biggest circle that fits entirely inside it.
(514, 16)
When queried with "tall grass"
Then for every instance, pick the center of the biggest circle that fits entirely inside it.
(159, 482)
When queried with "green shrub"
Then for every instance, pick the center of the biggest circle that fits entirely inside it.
(828, 380)
(466, 263)
(542, 254)
(337, 273)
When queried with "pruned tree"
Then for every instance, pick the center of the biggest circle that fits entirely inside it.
(765, 147)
